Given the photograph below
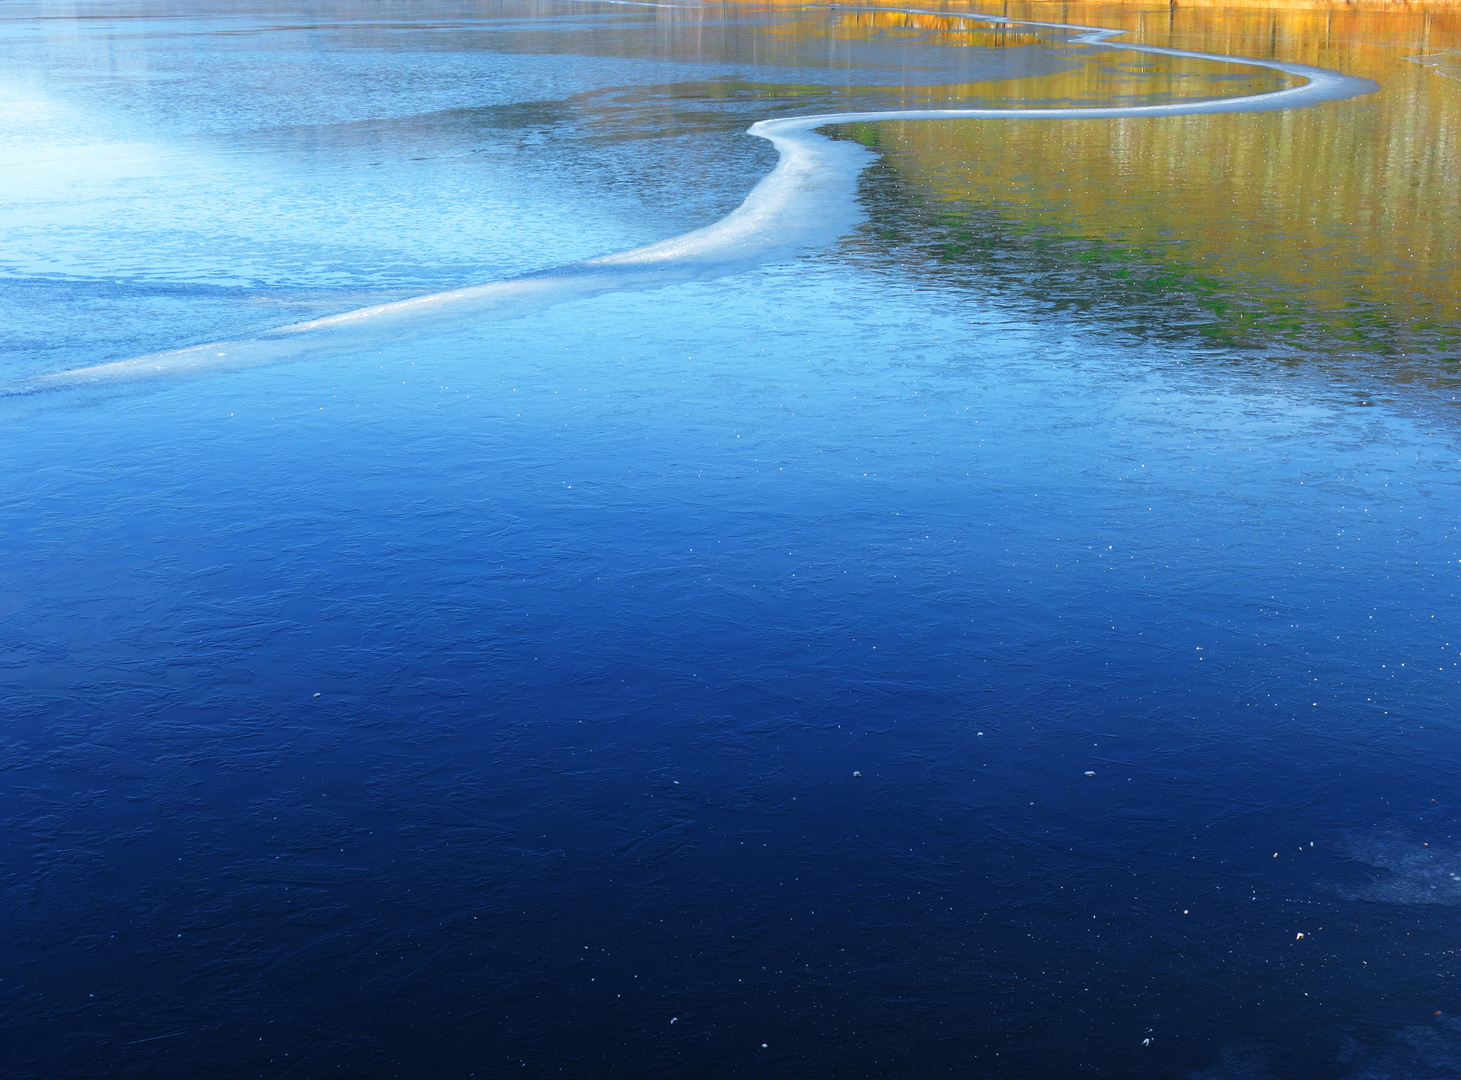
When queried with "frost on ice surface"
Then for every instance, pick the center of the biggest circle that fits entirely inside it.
(1402, 870)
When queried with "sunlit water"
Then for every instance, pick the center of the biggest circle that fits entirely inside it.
(1327, 234)
(877, 662)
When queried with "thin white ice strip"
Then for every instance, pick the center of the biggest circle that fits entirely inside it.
(806, 201)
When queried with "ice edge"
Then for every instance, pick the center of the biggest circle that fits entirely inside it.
(806, 201)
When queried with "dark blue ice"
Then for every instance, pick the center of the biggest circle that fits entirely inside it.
(817, 670)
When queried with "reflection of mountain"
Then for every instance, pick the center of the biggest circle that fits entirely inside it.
(1333, 229)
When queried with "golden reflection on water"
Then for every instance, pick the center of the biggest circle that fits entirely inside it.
(1331, 229)
(1319, 231)
(1060, 74)
(1096, 75)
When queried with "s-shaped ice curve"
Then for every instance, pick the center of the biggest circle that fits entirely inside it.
(806, 201)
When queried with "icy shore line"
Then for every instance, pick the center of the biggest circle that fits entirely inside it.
(808, 200)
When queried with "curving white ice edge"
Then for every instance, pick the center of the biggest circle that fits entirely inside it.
(806, 201)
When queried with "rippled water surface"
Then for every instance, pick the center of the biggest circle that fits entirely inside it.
(993, 643)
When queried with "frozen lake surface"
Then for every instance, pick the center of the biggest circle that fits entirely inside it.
(885, 660)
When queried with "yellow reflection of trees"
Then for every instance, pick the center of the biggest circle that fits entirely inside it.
(1339, 223)
(947, 29)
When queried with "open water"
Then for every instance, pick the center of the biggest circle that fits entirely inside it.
(856, 653)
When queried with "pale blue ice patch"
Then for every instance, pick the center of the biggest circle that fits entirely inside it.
(806, 202)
